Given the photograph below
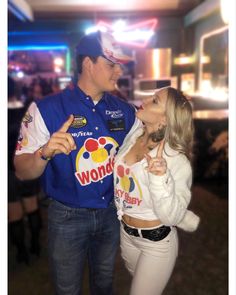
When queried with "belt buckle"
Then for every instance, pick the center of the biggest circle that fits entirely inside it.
(157, 234)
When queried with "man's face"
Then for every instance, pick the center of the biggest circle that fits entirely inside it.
(105, 74)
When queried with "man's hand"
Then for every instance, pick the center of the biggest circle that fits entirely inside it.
(60, 141)
(157, 165)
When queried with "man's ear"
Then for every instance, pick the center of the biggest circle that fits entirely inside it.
(87, 63)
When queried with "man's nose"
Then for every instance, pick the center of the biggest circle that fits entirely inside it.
(118, 69)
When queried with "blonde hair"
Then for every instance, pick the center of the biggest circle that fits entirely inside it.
(179, 130)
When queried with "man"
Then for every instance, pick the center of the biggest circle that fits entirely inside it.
(70, 139)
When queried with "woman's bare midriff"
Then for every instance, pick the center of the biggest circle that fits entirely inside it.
(139, 223)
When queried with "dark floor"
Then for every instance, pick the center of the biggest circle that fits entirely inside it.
(202, 264)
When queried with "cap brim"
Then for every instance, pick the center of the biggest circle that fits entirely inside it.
(124, 59)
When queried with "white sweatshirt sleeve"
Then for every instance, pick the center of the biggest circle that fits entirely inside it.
(171, 194)
(33, 132)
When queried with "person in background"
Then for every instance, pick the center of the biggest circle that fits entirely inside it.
(153, 178)
(37, 91)
(55, 86)
(72, 138)
(22, 195)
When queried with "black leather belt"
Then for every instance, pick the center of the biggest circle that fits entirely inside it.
(156, 234)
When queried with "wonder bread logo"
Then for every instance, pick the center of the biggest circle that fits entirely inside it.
(95, 160)
(79, 121)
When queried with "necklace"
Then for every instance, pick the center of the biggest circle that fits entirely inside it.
(147, 146)
(137, 152)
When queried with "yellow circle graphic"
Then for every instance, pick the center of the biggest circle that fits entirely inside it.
(125, 183)
(99, 155)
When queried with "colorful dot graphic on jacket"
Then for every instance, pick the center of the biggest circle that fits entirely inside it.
(97, 149)
(95, 159)
(126, 182)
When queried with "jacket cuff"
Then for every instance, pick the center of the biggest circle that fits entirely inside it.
(190, 221)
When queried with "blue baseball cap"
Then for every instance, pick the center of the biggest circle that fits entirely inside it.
(102, 44)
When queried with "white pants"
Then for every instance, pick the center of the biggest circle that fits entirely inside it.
(150, 263)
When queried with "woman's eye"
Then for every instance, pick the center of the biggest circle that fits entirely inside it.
(155, 100)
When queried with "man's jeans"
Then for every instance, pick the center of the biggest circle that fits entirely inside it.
(76, 234)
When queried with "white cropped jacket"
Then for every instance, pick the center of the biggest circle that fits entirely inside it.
(146, 196)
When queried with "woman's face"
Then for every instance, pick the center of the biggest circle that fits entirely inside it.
(152, 111)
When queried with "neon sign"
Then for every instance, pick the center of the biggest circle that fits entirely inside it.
(136, 35)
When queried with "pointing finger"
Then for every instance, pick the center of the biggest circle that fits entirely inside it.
(67, 124)
(160, 149)
(148, 157)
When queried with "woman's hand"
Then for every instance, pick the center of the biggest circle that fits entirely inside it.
(157, 165)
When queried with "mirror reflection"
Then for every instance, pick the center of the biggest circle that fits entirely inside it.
(213, 69)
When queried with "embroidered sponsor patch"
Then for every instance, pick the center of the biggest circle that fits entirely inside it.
(79, 121)
(115, 114)
(116, 124)
(81, 133)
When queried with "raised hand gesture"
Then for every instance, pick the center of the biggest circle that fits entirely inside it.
(60, 141)
(157, 165)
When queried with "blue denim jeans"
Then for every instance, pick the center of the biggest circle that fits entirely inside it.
(77, 234)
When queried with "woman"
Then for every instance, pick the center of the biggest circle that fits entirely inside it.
(153, 178)
(22, 195)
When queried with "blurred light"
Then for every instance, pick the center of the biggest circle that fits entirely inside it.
(29, 33)
(37, 47)
(129, 37)
(68, 62)
(155, 63)
(188, 83)
(64, 79)
(57, 70)
(213, 93)
(205, 59)
(202, 39)
(206, 87)
(225, 10)
(58, 61)
(136, 35)
(95, 29)
(184, 60)
(46, 48)
(20, 74)
(119, 25)
(211, 114)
